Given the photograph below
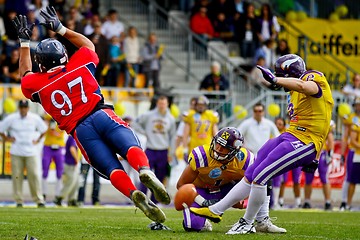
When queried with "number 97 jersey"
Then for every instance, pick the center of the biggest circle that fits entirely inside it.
(67, 93)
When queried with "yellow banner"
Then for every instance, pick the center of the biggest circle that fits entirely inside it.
(339, 39)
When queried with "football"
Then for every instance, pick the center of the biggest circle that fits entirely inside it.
(185, 196)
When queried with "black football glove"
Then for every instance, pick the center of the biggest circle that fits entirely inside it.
(311, 167)
(52, 21)
(23, 31)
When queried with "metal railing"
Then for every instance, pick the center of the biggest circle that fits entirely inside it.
(186, 50)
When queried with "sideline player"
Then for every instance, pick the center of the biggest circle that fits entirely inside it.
(214, 169)
(70, 94)
(309, 108)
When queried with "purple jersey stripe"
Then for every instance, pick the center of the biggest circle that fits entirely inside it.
(196, 158)
(203, 154)
(319, 93)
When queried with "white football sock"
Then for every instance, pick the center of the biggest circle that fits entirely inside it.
(275, 195)
(264, 210)
(239, 192)
(256, 199)
(58, 187)
(297, 202)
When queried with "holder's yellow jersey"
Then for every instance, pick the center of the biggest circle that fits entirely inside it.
(213, 173)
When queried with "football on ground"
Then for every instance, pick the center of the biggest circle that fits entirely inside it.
(185, 196)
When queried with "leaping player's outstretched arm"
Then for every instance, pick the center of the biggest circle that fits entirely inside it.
(24, 33)
(53, 23)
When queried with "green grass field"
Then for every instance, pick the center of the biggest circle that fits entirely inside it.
(126, 223)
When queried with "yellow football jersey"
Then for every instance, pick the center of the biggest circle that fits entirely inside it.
(201, 126)
(310, 115)
(212, 173)
(348, 118)
(54, 137)
(331, 129)
(355, 127)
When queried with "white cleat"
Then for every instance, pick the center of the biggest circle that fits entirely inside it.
(207, 226)
(148, 178)
(148, 207)
(241, 227)
(266, 226)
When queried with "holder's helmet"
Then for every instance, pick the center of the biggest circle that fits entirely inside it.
(229, 138)
(50, 53)
(290, 65)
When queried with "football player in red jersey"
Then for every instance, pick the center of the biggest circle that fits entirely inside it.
(68, 91)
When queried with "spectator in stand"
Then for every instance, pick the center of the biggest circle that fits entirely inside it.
(53, 150)
(75, 15)
(158, 125)
(352, 91)
(268, 24)
(201, 25)
(117, 59)
(102, 50)
(214, 81)
(112, 27)
(70, 175)
(282, 48)
(246, 32)
(240, 6)
(223, 27)
(11, 38)
(267, 51)
(152, 54)
(196, 7)
(219, 6)
(256, 77)
(10, 67)
(32, 19)
(132, 56)
(92, 20)
(24, 130)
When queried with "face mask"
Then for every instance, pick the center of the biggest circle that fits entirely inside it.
(219, 158)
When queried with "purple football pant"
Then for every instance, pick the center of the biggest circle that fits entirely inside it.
(279, 155)
(322, 169)
(58, 155)
(296, 175)
(277, 181)
(193, 222)
(352, 168)
(158, 161)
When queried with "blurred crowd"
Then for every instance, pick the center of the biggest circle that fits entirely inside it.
(122, 58)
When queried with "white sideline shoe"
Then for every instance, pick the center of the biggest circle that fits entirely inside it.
(266, 226)
(241, 227)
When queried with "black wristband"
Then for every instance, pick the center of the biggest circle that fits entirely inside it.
(26, 72)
